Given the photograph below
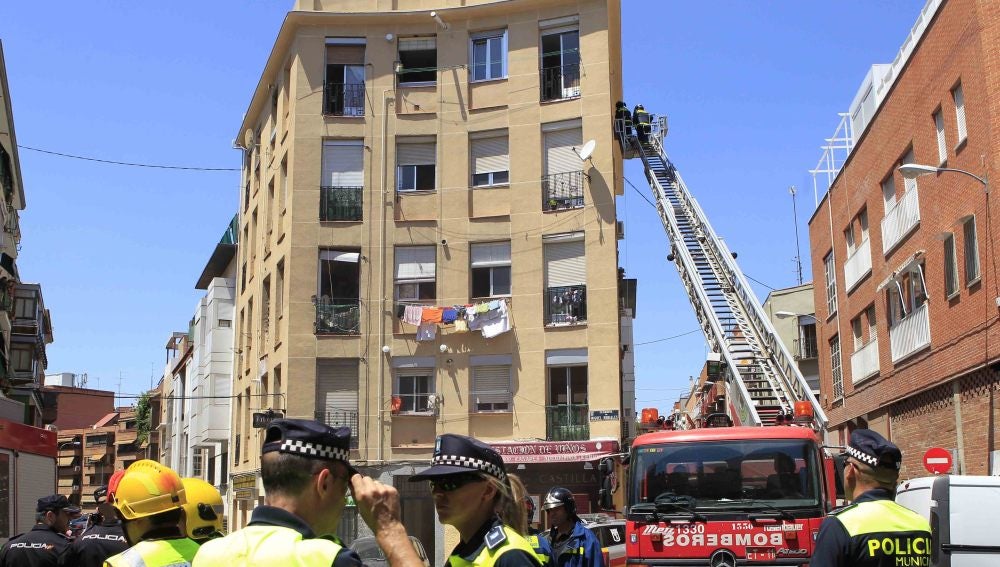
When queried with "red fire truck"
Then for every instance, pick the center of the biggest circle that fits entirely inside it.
(27, 472)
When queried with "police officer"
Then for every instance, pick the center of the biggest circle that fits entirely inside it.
(640, 119)
(305, 469)
(873, 531)
(103, 539)
(46, 541)
(538, 540)
(519, 517)
(573, 545)
(469, 484)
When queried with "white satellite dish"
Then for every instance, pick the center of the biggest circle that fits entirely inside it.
(248, 139)
(586, 151)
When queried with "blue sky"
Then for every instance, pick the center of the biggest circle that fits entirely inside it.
(751, 89)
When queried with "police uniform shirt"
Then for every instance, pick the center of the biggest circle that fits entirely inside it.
(95, 545)
(890, 536)
(279, 517)
(493, 528)
(39, 547)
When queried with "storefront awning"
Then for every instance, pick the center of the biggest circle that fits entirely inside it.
(555, 451)
(95, 458)
(66, 461)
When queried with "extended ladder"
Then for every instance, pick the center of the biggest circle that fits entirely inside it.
(762, 379)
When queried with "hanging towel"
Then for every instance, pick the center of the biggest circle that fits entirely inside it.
(499, 324)
(495, 304)
(431, 315)
(449, 315)
(461, 326)
(427, 332)
(413, 314)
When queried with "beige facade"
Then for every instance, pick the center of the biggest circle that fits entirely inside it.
(447, 179)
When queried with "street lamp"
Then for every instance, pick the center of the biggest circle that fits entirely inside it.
(64, 443)
(787, 314)
(914, 170)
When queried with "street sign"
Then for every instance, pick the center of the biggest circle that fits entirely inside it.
(937, 460)
(263, 419)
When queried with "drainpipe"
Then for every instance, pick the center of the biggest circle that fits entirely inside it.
(381, 288)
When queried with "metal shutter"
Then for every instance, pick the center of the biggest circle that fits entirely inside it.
(491, 384)
(336, 386)
(559, 154)
(417, 43)
(343, 164)
(490, 154)
(344, 55)
(35, 476)
(959, 97)
(941, 142)
(415, 153)
(490, 254)
(415, 262)
(565, 263)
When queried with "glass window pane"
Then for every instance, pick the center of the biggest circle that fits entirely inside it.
(496, 58)
(479, 59)
(501, 281)
(501, 177)
(480, 282)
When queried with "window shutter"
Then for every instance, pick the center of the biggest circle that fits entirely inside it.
(490, 254)
(559, 154)
(565, 264)
(490, 154)
(417, 43)
(421, 153)
(343, 164)
(491, 384)
(336, 387)
(960, 112)
(941, 142)
(909, 183)
(415, 262)
(344, 55)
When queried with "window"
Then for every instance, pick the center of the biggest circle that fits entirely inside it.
(413, 388)
(863, 223)
(562, 183)
(22, 358)
(838, 377)
(849, 238)
(807, 338)
(265, 312)
(338, 304)
(344, 92)
(415, 273)
(906, 293)
(418, 58)
(279, 294)
(341, 187)
(97, 440)
(858, 331)
(415, 159)
(560, 65)
(337, 394)
(565, 278)
(831, 284)
(490, 269)
(567, 417)
(942, 144)
(909, 184)
(971, 250)
(284, 183)
(225, 323)
(489, 55)
(950, 266)
(490, 158)
(25, 304)
(491, 390)
(889, 193)
(959, 97)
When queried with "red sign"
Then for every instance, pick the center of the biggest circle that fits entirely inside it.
(555, 451)
(937, 460)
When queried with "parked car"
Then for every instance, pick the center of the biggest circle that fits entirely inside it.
(372, 556)
(611, 533)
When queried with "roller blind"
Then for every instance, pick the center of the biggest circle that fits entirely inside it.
(343, 164)
(490, 154)
(490, 254)
(344, 55)
(415, 262)
(491, 384)
(417, 43)
(415, 153)
(559, 154)
(565, 263)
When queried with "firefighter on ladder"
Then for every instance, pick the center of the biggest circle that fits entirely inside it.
(640, 118)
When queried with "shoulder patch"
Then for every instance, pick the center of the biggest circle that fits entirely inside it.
(495, 537)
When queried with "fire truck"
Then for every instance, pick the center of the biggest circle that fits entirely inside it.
(27, 472)
(750, 482)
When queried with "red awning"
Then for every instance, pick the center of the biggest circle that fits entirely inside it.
(555, 451)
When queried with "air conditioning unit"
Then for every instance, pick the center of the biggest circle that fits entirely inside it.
(620, 230)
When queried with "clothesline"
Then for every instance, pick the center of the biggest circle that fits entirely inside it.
(492, 318)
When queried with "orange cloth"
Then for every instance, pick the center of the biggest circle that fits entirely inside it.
(431, 315)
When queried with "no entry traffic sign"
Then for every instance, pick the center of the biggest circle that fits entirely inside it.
(937, 460)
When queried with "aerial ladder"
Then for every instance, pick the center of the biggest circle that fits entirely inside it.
(763, 383)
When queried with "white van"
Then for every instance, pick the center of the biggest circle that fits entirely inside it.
(963, 513)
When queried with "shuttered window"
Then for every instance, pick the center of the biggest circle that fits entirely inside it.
(337, 394)
(490, 269)
(415, 273)
(490, 160)
(491, 388)
(950, 266)
(970, 247)
(565, 263)
(559, 154)
(959, 97)
(415, 161)
(941, 141)
(343, 164)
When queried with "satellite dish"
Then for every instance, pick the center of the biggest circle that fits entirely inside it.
(248, 139)
(587, 150)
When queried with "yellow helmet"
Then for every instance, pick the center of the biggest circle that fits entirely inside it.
(147, 488)
(203, 510)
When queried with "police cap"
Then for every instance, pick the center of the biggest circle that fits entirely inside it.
(310, 439)
(54, 503)
(874, 450)
(455, 454)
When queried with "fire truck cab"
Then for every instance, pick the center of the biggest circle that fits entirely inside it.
(722, 495)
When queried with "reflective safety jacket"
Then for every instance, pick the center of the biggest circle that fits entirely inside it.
(541, 546)
(579, 548)
(494, 544)
(156, 553)
(275, 538)
(873, 531)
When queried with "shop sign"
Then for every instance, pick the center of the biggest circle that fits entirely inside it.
(555, 451)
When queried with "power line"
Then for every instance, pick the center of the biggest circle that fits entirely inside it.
(641, 194)
(132, 164)
(667, 338)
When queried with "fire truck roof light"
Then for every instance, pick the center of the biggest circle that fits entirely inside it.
(803, 409)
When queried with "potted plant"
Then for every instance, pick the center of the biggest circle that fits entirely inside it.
(553, 204)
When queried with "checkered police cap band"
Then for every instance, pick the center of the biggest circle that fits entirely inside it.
(470, 463)
(862, 456)
(315, 450)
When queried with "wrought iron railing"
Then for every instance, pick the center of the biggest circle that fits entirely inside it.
(560, 82)
(338, 316)
(341, 418)
(567, 422)
(566, 304)
(562, 191)
(341, 99)
(340, 203)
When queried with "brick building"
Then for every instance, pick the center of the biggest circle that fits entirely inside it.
(906, 294)
(89, 455)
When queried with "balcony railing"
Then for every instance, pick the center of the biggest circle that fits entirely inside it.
(340, 203)
(858, 264)
(562, 191)
(6, 176)
(900, 220)
(341, 99)
(566, 304)
(568, 422)
(560, 82)
(805, 349)
(864, 362)
(341, 418)
(910, 334)
(338, 316)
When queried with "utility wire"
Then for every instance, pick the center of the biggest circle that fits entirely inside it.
(113, 162)
(667, 338)
(641, 194)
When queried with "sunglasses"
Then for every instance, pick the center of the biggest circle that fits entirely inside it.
(455, 481)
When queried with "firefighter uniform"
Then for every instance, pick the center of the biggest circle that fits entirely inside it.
(579, 548)
(640, 119)
(540, 546)
(95, 545)
(42, 545)
(155, 553)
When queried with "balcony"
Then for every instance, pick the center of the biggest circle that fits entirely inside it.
(338, 316)
(566, 305)
(340, 418)
(562, 191)
(567, 422)
(6, 176)
(900, 220)
(805, 349)
(858, 264)
(341, 99)
(560, 82)
(911, 334)
(340, 203)
(864, 362)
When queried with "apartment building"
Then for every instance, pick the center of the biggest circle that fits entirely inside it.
(793, 316)
(398, 168)
(88, 456)
(908, 302)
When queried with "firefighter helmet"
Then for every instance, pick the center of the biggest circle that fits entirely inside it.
(203, 510)
(147, 488)
(529, 505)
(559, 496)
